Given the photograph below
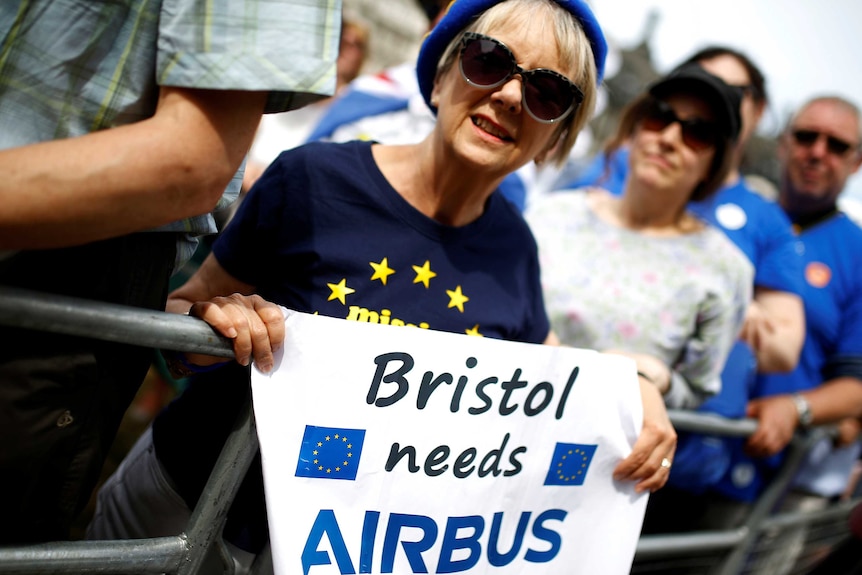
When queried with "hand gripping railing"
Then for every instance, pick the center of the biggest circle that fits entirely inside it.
(184, 553)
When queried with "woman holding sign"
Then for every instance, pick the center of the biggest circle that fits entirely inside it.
(401, 235)
(672, 290)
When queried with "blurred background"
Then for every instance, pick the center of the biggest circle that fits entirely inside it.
(804, 48)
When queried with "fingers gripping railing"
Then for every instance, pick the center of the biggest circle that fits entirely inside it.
(184, 554)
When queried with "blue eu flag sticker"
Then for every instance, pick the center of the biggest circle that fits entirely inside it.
(570, 464)
(330, 453)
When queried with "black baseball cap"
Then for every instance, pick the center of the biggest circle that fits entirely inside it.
(723, 98)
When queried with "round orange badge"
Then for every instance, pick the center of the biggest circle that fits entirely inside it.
(818, 275)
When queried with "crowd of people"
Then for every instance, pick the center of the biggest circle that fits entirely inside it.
(728, 302)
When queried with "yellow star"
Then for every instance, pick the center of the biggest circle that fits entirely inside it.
(457, 299)
(336, 436)
(474, 331)
(424, 274)
(340, 291)
(382, 271)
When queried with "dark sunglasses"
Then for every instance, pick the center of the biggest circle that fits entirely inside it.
(547, 96)
(697, 134)
(836, 146)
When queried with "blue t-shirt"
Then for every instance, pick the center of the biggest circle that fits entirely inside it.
(324, 232)
(605, 172)
(832, 293)
(760, 229)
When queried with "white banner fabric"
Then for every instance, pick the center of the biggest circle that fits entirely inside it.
(401, 450)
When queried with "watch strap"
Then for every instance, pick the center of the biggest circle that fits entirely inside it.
(803, 409)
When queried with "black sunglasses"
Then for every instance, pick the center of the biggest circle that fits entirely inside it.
(836, 146)
(697, 134)
(548, 96)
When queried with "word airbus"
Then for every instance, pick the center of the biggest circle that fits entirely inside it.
(422, 536)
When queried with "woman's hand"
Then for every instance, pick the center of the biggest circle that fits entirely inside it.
(255, 325)
(656, 444)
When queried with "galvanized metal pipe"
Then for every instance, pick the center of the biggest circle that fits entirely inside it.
(111, 322)
(159, 555)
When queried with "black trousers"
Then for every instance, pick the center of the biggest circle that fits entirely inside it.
(61, 397)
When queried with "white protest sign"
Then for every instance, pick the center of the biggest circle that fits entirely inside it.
(401, 450)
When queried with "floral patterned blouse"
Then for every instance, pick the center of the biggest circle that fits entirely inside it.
(681, 299)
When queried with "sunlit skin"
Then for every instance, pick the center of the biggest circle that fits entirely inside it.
(814, 177)
(663, 169)
(734, 73)
(488, 129)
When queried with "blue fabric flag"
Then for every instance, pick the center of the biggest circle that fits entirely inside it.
(570, 464)
(330, 453)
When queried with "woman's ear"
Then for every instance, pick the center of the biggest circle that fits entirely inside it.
(435, 92)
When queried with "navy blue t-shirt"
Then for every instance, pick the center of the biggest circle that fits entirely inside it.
(324, 232)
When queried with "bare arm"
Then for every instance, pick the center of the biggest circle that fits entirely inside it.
(255, 325)
(656, 441)
(173, 165)
(831, 402)
(775, 329)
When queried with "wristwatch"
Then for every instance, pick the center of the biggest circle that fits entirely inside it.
(803, 409)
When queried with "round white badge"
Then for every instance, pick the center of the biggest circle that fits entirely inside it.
(731, 216)
(742, 475)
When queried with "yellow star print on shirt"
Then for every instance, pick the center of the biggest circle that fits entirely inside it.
(340, 291)
(382, 271)
(424, 274)
(457, 299)
(474, 331)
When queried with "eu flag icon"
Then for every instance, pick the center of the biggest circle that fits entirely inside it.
(330, 453)
(570, 464)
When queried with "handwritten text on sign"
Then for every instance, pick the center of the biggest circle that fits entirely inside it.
(397, 450)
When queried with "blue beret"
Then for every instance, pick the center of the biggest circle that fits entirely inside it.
(459, 15)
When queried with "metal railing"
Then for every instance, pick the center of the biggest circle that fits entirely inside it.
(185, 553)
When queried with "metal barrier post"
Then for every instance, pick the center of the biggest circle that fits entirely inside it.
(210, 513)
(185, 554)
(768, 500)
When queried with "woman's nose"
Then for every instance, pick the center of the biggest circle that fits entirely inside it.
(509, 94)
(672, 133)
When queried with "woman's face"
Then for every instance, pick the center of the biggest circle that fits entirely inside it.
(661, 159)
(489, 128)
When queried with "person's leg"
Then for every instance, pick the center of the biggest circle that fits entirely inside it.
(62, 397)
(139, 500)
